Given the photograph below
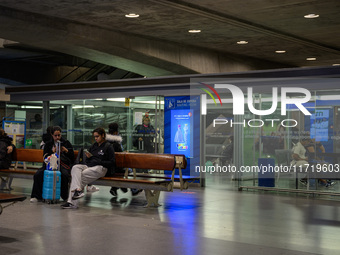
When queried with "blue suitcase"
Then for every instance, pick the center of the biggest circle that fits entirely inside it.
(52, 181)
(51, 186)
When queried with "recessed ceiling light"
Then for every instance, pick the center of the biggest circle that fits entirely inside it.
(336, 64)
(194, 31)
(310, 59)
(132, 15)
(280, 51)
(242, 42)
(311, 16)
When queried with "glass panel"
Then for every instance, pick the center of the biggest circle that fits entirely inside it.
(32, 113)
(78, 118)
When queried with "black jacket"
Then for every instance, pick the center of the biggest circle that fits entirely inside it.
(66, 159)
(116, 141)
(103, 155)
(5, 158)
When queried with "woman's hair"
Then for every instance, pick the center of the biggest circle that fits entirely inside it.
(2, 132)
(49, 130)
(100, 131)
(113, 127)
(56, 128)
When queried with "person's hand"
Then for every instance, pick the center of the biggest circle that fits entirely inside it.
(140, 139)
(9, 149)
(63, 149)
(54, 149)
(88, 154)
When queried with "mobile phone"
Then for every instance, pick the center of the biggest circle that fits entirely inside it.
(87, 152)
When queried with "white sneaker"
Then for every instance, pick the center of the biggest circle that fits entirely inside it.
(92, 188)
(33, 200)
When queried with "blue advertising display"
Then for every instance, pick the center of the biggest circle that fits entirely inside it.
(180, 132)
(182, 128)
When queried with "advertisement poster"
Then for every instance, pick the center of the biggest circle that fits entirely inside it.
(319, 122)
(180, 132)
(182, 129)
(16, 130)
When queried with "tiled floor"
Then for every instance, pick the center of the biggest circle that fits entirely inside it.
(217, 219)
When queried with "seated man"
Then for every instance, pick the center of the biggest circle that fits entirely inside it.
(314, 148)
(100, 162)
(6, 150)
(300, 160)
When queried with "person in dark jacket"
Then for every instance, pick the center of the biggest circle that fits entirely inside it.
(66, 162)
(116, 140)
(145, 134)
(229, 151)
(6, 150)
(100, 162)
(46, 137)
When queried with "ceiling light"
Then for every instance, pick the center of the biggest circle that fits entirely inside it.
(242, 42)
(311, 16)
(329, 97)
(82, 106)
(336, 64)
(194, 31)
(310, 59)
(280, 51)
(121, 99)
(132, 15)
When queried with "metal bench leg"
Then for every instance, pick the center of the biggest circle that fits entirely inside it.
(6, 183)
(152, 197)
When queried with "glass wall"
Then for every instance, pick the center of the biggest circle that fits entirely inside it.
(266, 154)
(78, 118)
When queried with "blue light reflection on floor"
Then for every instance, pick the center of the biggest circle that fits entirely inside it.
(182, 215)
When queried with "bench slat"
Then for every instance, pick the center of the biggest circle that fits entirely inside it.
(28, 155)
(8, 198)
(165, 176)
(145, 161)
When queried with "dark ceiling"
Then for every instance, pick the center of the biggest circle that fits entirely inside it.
(95, 35)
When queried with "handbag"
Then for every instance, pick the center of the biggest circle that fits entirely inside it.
(81, 157)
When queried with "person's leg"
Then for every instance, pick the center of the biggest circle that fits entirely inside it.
(76, 174)
(65, 180)
(38, 181)
(91, 174)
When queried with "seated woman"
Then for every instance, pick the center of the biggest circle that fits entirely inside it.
(66, 162)
(6, 150)
(99, 162)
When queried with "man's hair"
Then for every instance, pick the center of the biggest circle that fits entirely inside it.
(100, 131)
(113, 127)
(146, 117)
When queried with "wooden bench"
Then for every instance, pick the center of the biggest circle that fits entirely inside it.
(152, 185)
(9, 198)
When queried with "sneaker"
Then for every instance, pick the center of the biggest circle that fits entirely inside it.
(113, 191)
(303, 182)
(78, 194)
(68, 206)
(33, 200)
(92, 188)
